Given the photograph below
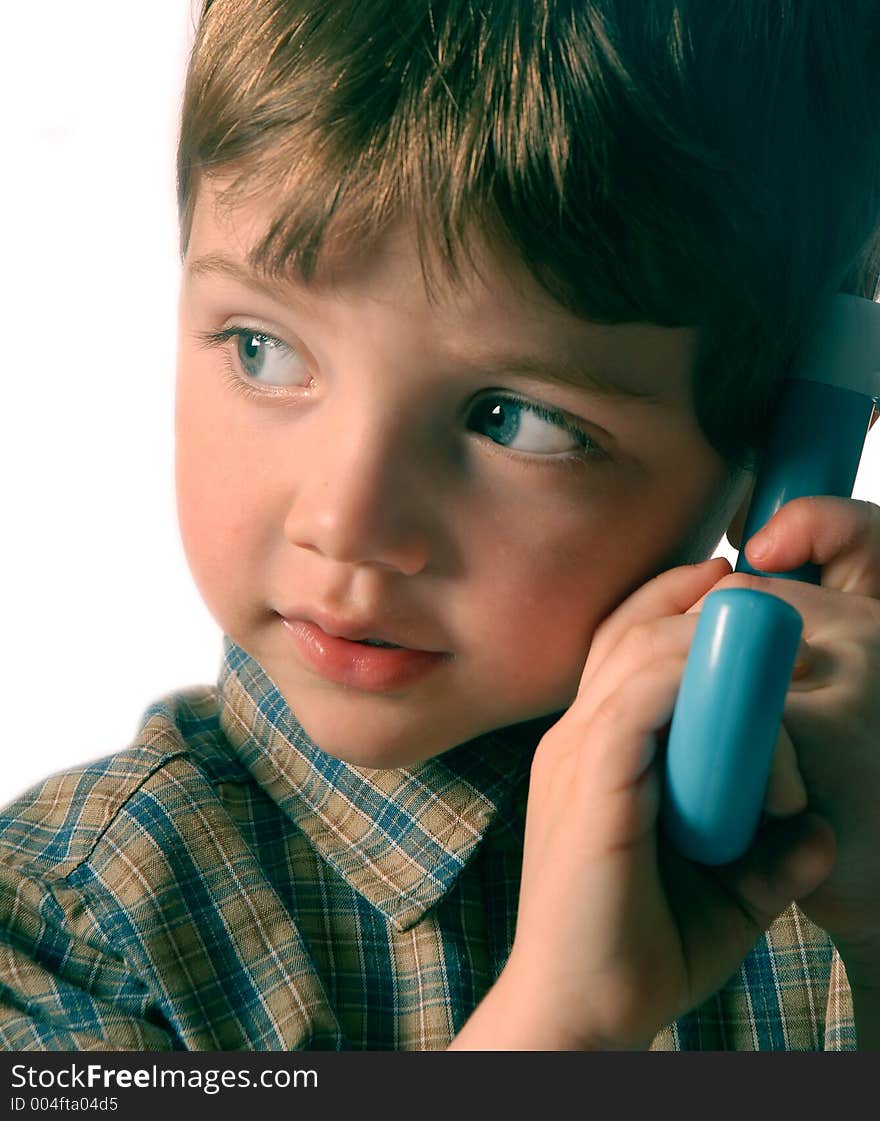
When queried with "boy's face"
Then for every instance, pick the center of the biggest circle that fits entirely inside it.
(358, 460)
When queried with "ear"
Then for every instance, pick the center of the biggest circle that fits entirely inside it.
(738, 521)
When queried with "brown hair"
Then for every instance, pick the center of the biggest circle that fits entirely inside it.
(669, 161)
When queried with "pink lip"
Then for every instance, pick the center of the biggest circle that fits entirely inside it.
(343, 659)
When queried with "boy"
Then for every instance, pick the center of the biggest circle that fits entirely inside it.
(481, 317)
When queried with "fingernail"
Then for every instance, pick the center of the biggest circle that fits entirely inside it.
(760, 545)
(803, 661)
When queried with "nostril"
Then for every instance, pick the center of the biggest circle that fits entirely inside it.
(365, 525)
(400, 553)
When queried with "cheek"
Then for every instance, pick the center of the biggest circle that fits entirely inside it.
(566, 567)
(217, 508)
(537, 619)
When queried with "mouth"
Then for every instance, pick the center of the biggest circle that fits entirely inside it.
(369, 631)
(359, 656)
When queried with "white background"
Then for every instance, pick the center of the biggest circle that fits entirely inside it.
(99, 614)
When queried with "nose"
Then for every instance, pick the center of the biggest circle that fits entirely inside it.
(360, 499)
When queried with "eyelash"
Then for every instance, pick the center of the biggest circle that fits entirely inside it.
(247, 389)
(587, 446)
(587, 449)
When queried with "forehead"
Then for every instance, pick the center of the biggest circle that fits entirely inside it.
(491, 306)
(395, 261)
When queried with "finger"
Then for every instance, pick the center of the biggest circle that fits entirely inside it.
(788, 861)
(802, 597)
(621, 740)
(670, 593)
(722, 912)
(642, 645)
(786, 793)
(606, 757)
(841, 535)
(818, 607)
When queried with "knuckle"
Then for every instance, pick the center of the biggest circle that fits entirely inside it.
(870, 607)
(861, 666)
(600, 634)
(613, 708)
(851, 696)
(641, 638)
(794, 513)
(633, 645)
(871, 514)
(552, 761)
(636, 704)
(549, 764)
(742, 580)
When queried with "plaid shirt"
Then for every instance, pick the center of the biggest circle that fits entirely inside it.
(224, 885)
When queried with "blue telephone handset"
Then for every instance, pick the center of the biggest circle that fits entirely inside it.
(729, 707)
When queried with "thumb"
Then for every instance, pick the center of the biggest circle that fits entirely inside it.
(840, 535)
(790, 859)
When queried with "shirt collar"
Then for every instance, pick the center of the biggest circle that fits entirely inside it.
(398, 836)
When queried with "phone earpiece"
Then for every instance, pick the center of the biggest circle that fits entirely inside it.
(814, 447)
(729, 708)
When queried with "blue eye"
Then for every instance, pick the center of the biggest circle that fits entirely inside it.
(525, 426)
(258, 359)
(265, 359)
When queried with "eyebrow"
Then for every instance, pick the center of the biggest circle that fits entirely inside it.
(557, 370)
(218, 264)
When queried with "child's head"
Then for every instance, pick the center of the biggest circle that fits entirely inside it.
(526, 275)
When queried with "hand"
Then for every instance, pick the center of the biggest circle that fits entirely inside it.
(616, 935)
(832, 712)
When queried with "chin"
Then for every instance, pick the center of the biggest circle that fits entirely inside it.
(375, 743)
